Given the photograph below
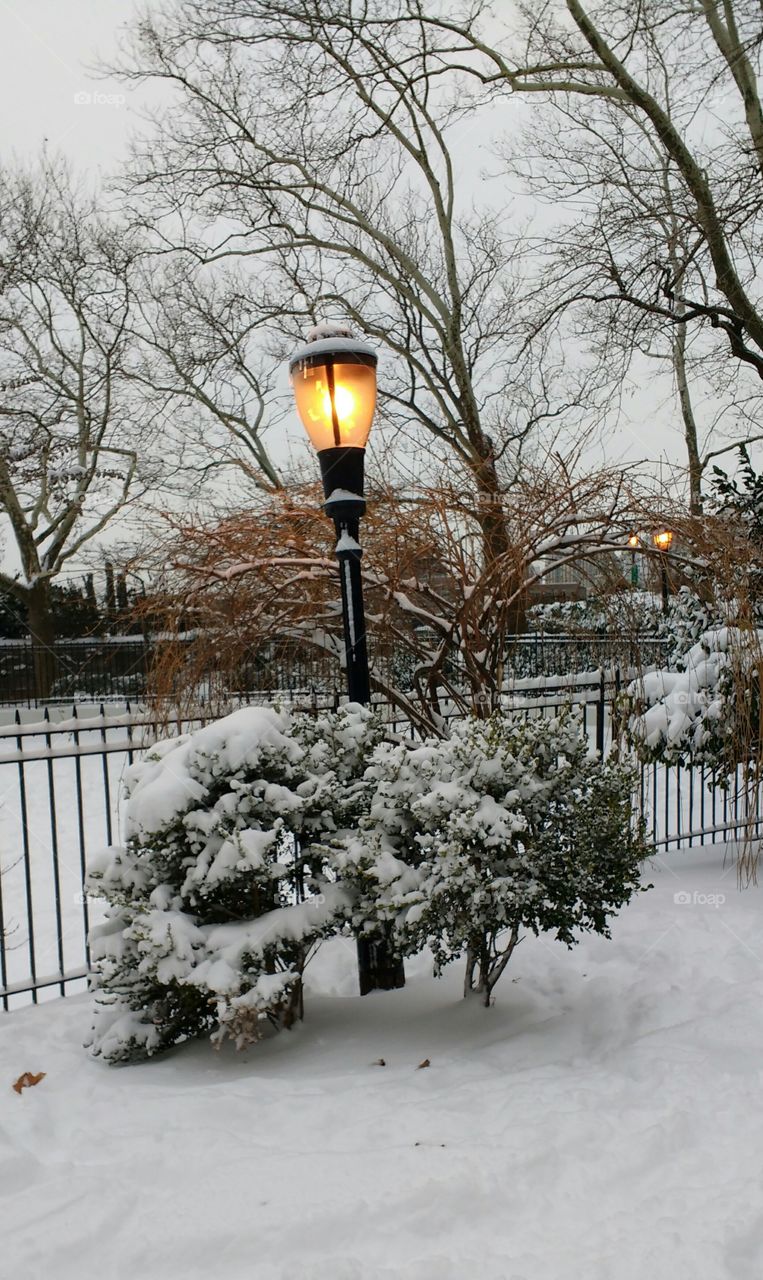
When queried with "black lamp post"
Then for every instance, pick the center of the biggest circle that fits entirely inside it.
(334, 382)
(662, 541)
(634, 542)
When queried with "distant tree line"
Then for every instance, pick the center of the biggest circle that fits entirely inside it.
(81, 609)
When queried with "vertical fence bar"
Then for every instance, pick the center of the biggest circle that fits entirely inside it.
(28, 669)
(106, 781)
(27, 859)
(54, 852)
(81, 835)
(654, 804)
(600, 713)
(725, 813)
(130, 749)
(691, 799)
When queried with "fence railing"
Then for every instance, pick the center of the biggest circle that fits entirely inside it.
(119, 667)
(539, 653)
(73, 670)
(60, 783)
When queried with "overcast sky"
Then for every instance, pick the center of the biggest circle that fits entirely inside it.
(49, 93)
(46, 91)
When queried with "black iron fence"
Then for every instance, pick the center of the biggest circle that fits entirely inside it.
(60, 781)
(539, 654)
(119, 668)
(74, 671)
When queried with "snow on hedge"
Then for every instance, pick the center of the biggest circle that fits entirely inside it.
(223, 886)
(700, 714)
(510, 824)
(252, 839)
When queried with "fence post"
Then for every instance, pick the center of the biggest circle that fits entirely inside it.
(616, 727)
(600, 711)
(25, 844)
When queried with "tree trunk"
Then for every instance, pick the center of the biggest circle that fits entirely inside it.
(293, 1008)
(42, 633)
(689, 421)
(508, 621)
(477, 958)
(472, 958)
(495, 535)
(111, 599)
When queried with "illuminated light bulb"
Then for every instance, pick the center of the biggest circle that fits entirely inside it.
(334, 382)
(344, 404)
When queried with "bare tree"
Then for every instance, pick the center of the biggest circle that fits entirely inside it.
(648, 129)
(74, 436)
(440, 636)
(305, 142)
(203, 335)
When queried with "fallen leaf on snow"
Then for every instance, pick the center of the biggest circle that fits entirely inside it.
(27, 1079)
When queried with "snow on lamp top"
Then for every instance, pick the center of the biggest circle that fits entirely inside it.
(334, 381)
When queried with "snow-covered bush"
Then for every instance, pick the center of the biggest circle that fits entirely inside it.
(738, 500)
(725, 576)
(222, 889)
(708, 712)
(621, 612)
(631, 613)
(688, 618)
(510, 824)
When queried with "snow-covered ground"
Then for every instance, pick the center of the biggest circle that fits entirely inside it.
(601, 1122)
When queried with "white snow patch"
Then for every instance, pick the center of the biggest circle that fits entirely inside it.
(347, 543)
(599, 1121)
(179, 770)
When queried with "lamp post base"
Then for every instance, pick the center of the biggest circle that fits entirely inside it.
(379, 969)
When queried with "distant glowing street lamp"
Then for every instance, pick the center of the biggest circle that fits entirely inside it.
(663, 541)
(334, 382)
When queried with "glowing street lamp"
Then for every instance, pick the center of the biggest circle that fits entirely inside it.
(334, 382)
(663, 540)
